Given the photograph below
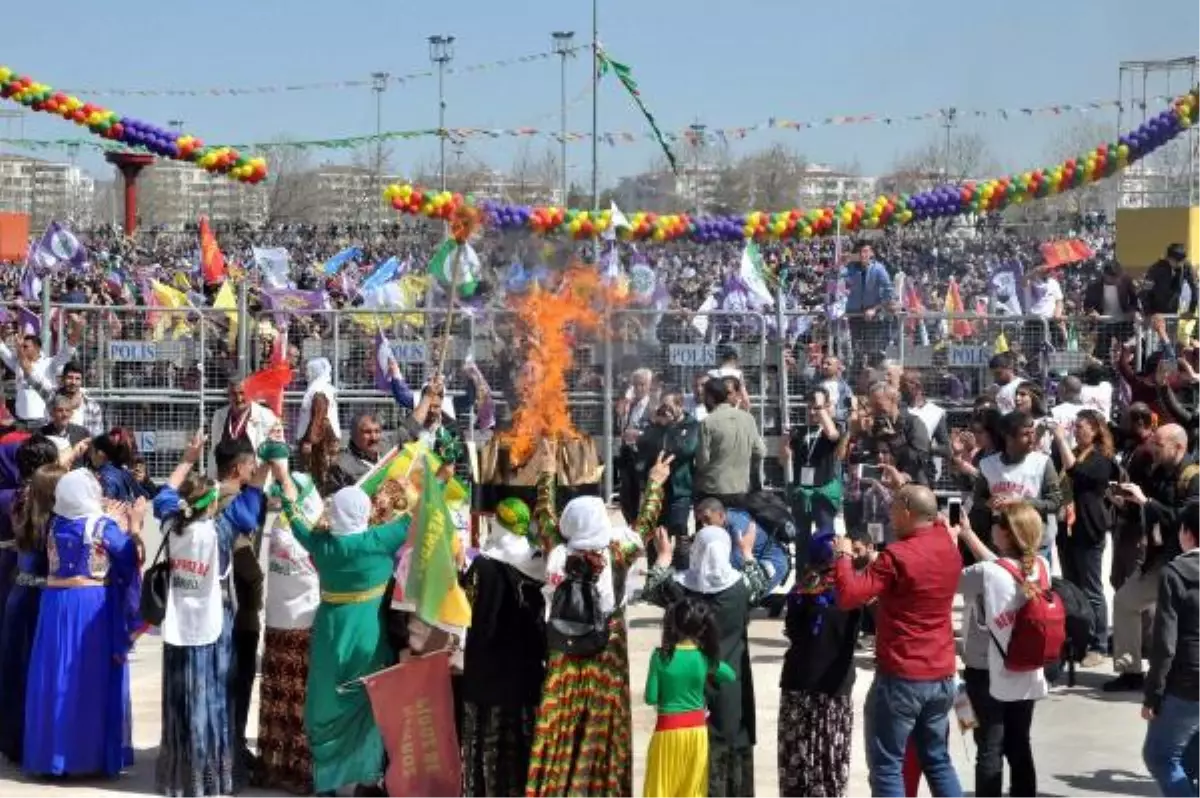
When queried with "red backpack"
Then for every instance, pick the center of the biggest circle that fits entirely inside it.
(1039, 629)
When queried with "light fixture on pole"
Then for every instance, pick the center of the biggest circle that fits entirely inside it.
(379, 81)
(441, 52)
(562, 46)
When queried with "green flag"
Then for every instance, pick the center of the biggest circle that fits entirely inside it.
(625, 75)
(450, 256)
(432, 575)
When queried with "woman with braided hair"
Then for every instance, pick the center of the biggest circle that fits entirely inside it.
(994, 589)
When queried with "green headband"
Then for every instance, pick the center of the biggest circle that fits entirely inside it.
(206, 499)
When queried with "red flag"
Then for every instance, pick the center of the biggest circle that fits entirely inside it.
(414, 710)
(212, 262)
(268, 384)
(1070, 250)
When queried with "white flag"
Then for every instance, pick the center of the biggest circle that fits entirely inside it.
(275, 265)
(753, 275)
(700, 320)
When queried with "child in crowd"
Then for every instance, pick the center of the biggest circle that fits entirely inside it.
(680, 669)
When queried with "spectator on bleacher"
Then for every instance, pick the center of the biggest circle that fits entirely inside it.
(1113, 298)
(31, 368)
(1044, 300)
(869, 292)
(1162, 287)
(240, 420)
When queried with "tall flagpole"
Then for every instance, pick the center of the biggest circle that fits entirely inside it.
(609, 431)
(595, 105)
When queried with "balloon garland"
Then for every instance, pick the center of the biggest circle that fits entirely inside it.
(129, 131)
(985, 196)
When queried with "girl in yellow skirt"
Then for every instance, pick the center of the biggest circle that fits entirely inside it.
(687, 661)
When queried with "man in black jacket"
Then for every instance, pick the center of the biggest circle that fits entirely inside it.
(901, 434)
(1113, 298)
(1172, 699)
(1174, 480)
(1162, 289)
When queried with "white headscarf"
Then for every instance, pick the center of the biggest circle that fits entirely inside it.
(585, 526)
(709, 570)
(350, 511)
(320, 380)
(78, 495)
(516, 550)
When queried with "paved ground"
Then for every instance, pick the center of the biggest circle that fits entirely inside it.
(1086, 742)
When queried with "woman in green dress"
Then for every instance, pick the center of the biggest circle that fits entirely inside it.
(353, 563)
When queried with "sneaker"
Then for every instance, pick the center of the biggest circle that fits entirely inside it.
(1092, 660)
(1124, 682)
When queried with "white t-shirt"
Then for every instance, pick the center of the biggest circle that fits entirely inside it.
(1065, 414)
(1021, 480)
(195, 611)
(1043, 297)
(1001, 600)
(293, 589)
(1098, 397)
(1006, 396)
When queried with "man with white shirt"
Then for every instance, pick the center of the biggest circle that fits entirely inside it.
(1044, 298)
(1004, 372)
(933, 416)
(31, 367)
(1069, 406)
(240, 420)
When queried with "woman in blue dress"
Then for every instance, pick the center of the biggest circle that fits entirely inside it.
(31, 516)
(197, 754)
(112, 457)
(77, 714)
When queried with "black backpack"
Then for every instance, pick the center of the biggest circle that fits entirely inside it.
(156, 583)
(1080, 622)
(577, 626)
(772, 515)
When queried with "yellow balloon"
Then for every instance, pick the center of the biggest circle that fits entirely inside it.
(5, 73)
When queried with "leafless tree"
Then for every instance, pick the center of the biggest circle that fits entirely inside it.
(293, 191)
(965, 157)
(773, 176)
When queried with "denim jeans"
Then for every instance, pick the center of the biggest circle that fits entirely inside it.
(771, 555)
(1170, 748)
(903, 707)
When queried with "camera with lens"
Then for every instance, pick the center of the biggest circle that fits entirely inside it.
(882, 427)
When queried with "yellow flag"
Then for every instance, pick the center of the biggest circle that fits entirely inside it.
(1001, 343)
(225, 300)
(164, 296)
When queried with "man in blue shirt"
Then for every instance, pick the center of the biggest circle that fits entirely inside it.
(768, 552)
(868, 292)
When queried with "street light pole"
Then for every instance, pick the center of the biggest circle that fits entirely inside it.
(562, 46)
(379, 81)
(441, 52)
(596, 112)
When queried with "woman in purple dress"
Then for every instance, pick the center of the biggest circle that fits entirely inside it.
(77, 714)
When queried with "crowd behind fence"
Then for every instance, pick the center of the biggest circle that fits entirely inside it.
(163, 372)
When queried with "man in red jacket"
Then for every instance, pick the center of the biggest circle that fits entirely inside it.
(915, 580)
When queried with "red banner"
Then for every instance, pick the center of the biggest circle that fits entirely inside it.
(212, 262)
(1071, 250)
(414, 709)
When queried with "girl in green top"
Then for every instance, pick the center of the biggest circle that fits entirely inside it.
(680, 670)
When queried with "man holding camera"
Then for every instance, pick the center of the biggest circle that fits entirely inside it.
(901, 436)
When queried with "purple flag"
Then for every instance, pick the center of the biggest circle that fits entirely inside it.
(31, 286)
(288, 302)
(31, 323)
(56, 247)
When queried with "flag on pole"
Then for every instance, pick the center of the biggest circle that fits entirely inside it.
(380, 275)
(959, 328)
(268, 383)
(159, 295)
(212, 262)
(225, 300)
(616, 221)
(625, 75)
(334, 264)
(753, 275)
(31, 285)
(287, 302)
(432, 586)
(1071, 250)
(383, 359)
(1004, 287)
(56, 247)
(450, 256)
(275, 265)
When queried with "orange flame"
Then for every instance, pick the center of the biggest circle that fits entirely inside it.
(550, 321)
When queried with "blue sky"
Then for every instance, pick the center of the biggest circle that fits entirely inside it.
(721, 64)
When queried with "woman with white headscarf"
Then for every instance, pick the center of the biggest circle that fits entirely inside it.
(77, 712)
(354, 562)
(584, 722)
(318, 427)
(731, 592)
(197, 751)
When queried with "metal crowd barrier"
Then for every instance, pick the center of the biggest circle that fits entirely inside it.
(163, 371)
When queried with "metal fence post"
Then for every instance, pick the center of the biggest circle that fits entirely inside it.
(101, 353)
(204, 380)
(607, 403)
(243, 341)
(785, 419)
(46, 319)
(337, 347)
